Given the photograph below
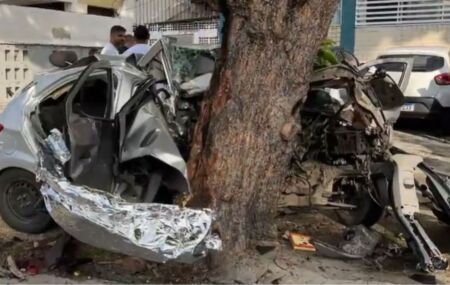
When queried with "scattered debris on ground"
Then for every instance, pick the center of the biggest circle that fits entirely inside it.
(301, 242)
(281, 264)
(13, 268)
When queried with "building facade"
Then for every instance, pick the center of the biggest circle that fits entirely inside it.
(191, 22)
(30, 30)
(393, 23)
(378, 24)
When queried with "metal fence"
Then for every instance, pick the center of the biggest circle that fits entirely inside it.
(166, 11)
(202, 32)
(380, 12)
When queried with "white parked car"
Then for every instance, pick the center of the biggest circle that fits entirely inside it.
(425, 81)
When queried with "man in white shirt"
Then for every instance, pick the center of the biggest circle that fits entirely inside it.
(141, 47)
(129, 41)
(116, 40)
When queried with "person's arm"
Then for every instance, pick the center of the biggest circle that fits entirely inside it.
(109, 50)
(104, 50)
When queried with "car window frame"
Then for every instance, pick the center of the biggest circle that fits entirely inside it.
(111, 83)
(71, 80)
(413, 57)
(404, 81)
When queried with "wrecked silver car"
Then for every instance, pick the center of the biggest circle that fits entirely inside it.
(106, 134)
(345, 159)
(110, 140)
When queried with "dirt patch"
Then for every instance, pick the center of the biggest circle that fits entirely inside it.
(434, 152)
(85, 264)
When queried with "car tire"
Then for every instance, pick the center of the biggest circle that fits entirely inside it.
(368, 213)
(444, 122)
(21, 204)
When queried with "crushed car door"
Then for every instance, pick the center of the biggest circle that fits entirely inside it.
(145, 138)
(399, 71)
(394, 74)
(90, 128)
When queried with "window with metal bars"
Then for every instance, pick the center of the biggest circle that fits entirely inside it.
(163, 11)
(186, 26)
(379, 12)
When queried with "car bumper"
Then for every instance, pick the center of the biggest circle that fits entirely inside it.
(421, 108)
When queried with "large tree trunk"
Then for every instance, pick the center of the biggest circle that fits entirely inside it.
(239, 159)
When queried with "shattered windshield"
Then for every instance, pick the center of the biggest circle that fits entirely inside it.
(188, 66)
(189, 62)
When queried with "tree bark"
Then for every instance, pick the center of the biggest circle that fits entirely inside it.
(243, 141)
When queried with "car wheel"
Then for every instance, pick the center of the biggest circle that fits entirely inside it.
(444, 122)
(368, 212)
(21, 203)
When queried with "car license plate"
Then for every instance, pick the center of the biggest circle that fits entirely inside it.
(408, 108)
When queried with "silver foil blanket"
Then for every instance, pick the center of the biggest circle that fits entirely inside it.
(156, 232)
(55, 142)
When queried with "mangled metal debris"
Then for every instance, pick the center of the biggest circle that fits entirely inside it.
(152, 231)
(113, 172)
(58, 147)
(346, 136)
(359, 242)
(111, 161)
(14, 269)
(332, 251)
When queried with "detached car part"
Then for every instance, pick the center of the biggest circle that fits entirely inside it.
(346, 124)
(406, 206)
(359, 242)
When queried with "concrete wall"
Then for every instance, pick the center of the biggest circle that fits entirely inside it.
(127, 13)
(370, 41)
(29, 35)
(77, 6)
(24, 25)
(19, 64)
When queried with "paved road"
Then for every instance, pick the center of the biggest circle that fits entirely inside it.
(435, 151)
(314, 268)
